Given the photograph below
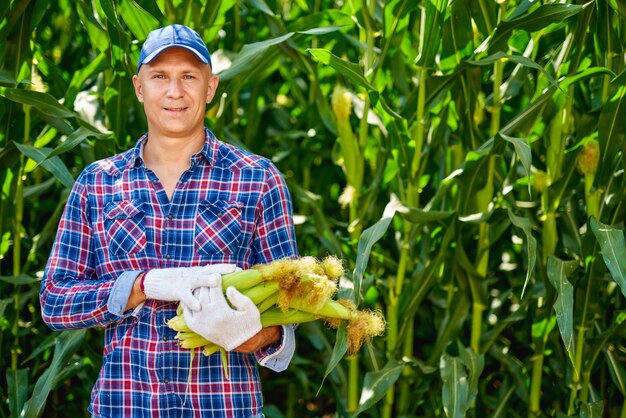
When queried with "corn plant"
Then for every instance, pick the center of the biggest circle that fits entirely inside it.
(463, 157)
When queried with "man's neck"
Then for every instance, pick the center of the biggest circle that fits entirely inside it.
(171, 151)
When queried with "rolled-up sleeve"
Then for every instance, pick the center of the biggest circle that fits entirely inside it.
(277, 356)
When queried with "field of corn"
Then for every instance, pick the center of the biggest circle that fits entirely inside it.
(463, 158)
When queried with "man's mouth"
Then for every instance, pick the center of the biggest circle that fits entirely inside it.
(175, 109)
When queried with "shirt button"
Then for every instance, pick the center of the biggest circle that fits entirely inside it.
(170, 216)
(155, 181)
(165, 338)
(167, 256)
(166, 380)
(219, 215)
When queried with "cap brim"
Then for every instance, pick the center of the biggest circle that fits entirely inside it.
(158, 51)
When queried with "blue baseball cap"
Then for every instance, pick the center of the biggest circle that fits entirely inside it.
(173, 36)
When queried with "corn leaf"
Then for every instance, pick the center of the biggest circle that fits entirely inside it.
(339, 350)
(475, 363)
(43, 102)
(251, 55)
(347, 68)
(599, 342)
(74, 139)
(616, 369)
(558, 272)
(22, 279)
(53, 165)
(107, 9)
(137, 19)
(417, 215)
(17, 381)
(376, 384)
(456, 315)
(368, 238)
(5, 78)
(613, 247)
(531, 244)
(262, 6)
(518, 59)
(428, 276)
(455, 390)
(611, 134)
(522, 149)
(536, 20)
(501, 411)
(66, 345)
(214, 16)
(95, 31)
(433, 12)
(592, 410)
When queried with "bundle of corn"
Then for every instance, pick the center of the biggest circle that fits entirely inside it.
(289, 291)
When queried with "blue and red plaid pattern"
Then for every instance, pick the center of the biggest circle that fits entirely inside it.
(230, 207)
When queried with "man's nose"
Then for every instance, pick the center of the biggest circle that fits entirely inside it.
(174, 88)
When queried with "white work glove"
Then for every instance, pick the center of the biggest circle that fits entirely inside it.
(217, 322)
(178, 283)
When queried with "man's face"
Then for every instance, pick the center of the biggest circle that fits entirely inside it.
(175, 88)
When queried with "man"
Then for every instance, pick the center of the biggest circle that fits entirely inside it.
(158, 224)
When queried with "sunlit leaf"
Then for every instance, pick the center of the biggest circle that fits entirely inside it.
(139, 21)
(96, 32)
(250, 55)
(433, 12)
(348, 69)
(376, 384)
(518, 59)
(368, 238)
(76, 138)
(536, 20)
(262, 6)
(43, 102)
(53, 165)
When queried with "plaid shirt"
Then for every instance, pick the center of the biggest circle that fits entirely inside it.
(230, 206)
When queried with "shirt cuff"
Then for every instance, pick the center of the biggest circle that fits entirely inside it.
(277, 356)
(120, 293)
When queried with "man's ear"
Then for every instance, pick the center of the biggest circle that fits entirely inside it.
(214, 81)
(138, 88)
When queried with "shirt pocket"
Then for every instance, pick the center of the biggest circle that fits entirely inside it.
(124, 223)
(218, 227)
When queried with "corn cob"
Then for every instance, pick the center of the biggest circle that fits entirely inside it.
(291, 291)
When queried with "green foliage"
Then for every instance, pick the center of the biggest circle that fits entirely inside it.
(499, 262)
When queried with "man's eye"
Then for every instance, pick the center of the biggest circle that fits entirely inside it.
(159, 76)
(188, 77)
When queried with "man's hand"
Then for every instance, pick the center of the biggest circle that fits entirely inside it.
(265, 337)
(178, 284)
(217, 321)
